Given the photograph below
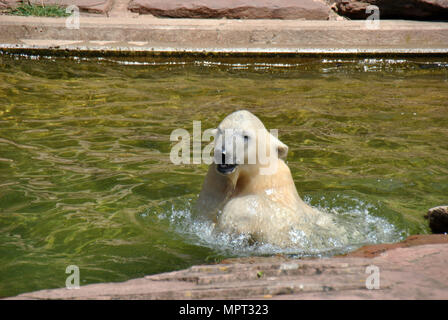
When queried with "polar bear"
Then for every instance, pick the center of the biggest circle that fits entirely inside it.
(240, 199)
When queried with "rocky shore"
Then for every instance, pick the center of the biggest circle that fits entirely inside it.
(260, 9)
(262, 27)
(412, 269)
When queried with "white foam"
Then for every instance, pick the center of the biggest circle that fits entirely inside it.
(362, 227)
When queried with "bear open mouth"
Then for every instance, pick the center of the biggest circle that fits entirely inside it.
(226, 168)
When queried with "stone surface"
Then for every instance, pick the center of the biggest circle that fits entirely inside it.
(93, 6)
(149, 35)
(395, 9)
(415, 272)
(375, 250)
(120, 10)
(234, 9)
(6, 4)
(438, 219)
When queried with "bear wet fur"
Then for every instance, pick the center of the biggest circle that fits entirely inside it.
(265, 207)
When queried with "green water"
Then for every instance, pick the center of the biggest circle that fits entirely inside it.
(86, 178)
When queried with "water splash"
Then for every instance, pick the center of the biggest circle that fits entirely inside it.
(356, 216)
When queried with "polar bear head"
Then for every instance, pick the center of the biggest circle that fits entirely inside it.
(243, 144)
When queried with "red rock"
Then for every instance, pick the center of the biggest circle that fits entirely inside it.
(395, 9)
(9, 4)
(438, 219)
(417, 272)
(375, 250)
(234, 9)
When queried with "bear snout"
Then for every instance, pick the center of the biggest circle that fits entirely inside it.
(223, 167)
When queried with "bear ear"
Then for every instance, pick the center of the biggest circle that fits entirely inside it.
(282, 149)
(214, 132)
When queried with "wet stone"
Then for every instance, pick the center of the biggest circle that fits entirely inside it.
(438, 219)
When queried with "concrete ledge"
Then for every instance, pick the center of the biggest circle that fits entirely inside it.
(148, 36)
